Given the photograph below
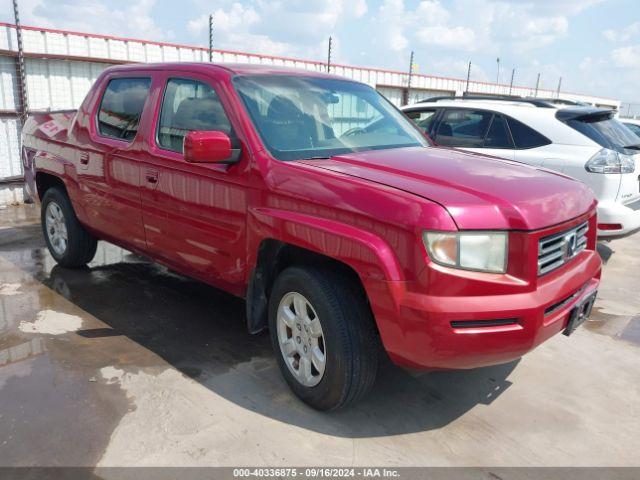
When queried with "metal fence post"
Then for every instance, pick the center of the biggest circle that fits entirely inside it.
(466, 88)
(408, 92)
(23, 106)
(513, 72)
(210, 38)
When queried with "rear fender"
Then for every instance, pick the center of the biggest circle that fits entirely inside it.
(64, 169)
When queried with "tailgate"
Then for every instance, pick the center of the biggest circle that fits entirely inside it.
(630, 184)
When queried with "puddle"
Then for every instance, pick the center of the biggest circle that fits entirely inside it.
(623, 327)
(632, 331)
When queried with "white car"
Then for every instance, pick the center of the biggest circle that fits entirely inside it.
(583, 142)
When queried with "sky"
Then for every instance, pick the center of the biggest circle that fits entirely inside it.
(594, 45)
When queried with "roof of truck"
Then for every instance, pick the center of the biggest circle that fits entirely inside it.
(234, 68)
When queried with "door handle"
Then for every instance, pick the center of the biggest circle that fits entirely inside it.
(84, 158)
(151, 176)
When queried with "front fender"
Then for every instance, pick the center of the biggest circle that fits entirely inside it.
(368, 254)
(365, 252)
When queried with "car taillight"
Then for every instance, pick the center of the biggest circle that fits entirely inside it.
(610, 161)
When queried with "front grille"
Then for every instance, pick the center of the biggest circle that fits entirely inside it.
(557, 249)
(565, 301)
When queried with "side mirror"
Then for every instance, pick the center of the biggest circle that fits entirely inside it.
(209, 147)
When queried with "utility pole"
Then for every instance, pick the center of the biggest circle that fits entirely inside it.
(559, 85)
(408, 93)
(210, 38)
(498, 72)
(513, 72)
(329, 56)
(537, 85)
(23, 108)
(466, 89)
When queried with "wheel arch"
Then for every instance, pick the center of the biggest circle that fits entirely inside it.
(45, 181)
(274, 256)
(298, 239)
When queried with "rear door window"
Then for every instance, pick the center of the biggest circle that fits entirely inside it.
(463, 128)
(189, 105)
(121, 107)
(498, 135)
(526, 137)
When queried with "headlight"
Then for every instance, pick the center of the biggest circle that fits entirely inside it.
(481, 251)
(610, 161)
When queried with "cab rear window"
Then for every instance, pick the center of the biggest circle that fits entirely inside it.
(121, 107)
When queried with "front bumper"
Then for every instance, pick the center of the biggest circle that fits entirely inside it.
(628, 216)
(417, 329)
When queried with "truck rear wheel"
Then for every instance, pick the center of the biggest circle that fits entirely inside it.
(324, 337)
(67, 240)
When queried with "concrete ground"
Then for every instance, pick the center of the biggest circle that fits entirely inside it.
(124, 363)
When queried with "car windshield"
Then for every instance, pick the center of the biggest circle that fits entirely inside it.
(301, 117)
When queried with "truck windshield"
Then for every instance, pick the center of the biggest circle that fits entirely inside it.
(312, 117)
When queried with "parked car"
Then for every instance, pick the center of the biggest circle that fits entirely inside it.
(586, 143)
(271, 184)
(632, 124)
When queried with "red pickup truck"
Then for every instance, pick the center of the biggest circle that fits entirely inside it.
(313, 198)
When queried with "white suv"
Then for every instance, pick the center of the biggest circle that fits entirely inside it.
(583, 142)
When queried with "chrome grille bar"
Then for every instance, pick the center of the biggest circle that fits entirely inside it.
(557, 249)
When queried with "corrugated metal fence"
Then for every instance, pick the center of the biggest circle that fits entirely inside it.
(61, 66)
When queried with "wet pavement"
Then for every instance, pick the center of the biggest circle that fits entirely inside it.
(125, 363)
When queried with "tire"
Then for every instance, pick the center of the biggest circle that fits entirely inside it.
(349, 339)
(80, 246)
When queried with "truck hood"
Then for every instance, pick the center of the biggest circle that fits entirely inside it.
(478, 191)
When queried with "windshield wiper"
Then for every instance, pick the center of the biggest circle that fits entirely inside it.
(319, 157)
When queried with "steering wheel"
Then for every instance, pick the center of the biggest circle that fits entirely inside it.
(353, 131)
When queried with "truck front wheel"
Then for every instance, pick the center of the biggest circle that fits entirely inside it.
(67, 240)
(323, 336)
